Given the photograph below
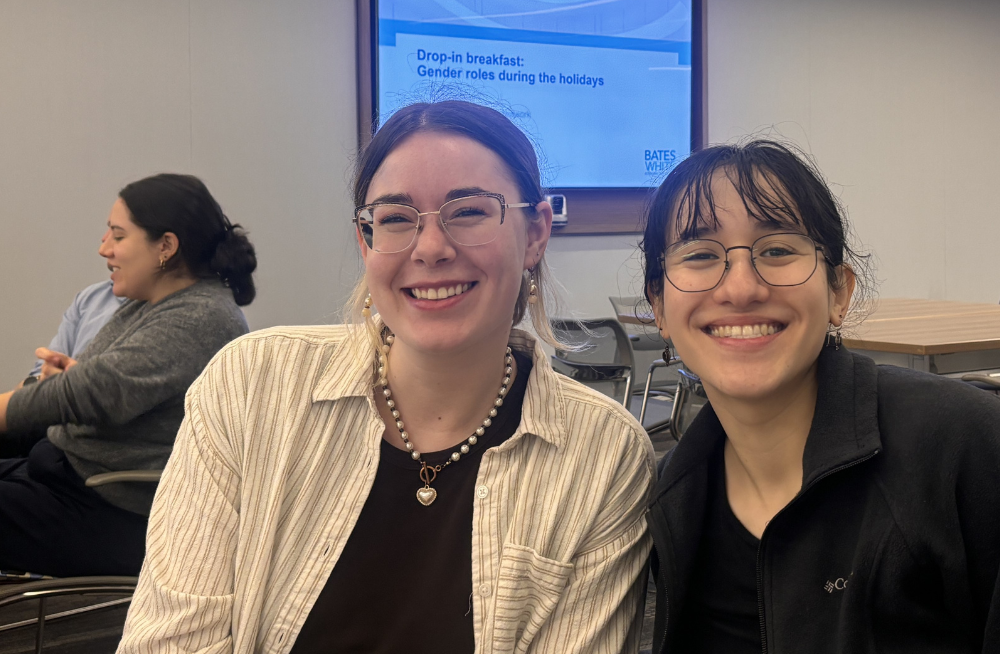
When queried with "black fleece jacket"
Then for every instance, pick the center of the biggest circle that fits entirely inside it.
(893, 543)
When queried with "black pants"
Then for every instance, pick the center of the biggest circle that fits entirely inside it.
(51, 523)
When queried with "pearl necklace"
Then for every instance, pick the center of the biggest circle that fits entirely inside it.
(428, 473)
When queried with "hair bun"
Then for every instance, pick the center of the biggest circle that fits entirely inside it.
(234, 261)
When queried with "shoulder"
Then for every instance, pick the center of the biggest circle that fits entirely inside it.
(934, 428)
(277, 364)
(935, 401)
(290, 350)
(586, 424)
(309, 337)
(95, 291)
(208, 305)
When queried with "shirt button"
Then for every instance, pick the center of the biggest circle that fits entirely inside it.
(482, 492)
(485, 590)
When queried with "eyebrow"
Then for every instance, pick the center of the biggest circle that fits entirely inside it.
(464, 192)
(407, 199)
(393, 198)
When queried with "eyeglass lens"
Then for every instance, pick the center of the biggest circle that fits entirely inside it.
(780, 259)
(473, 220)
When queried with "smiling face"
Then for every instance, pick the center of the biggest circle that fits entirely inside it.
(438, 296)
(746, 339)
(134, 260)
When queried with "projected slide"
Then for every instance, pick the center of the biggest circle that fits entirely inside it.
(604, 86)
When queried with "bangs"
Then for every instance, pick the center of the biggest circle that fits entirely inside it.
(765, 199)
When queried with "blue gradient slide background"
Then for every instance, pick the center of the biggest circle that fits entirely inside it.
(603, 86)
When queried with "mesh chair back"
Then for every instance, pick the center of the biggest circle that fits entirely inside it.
(601, 356)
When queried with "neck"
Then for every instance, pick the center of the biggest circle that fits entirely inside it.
(170, 284)
(442, 397)
(766, 437)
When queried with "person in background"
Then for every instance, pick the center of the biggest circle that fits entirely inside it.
(91, 308)
(185, 270)
(819, 502)
(422, 481)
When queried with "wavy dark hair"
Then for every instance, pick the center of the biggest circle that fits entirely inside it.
(778, 187)
(210, 245)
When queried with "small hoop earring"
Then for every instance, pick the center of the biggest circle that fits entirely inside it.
(367, 310)
(532, 286)
(163, 264)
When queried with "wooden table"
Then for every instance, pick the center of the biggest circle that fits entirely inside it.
(931, 335)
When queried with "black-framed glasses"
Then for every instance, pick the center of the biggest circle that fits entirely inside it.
(782, 259)
(470, 220)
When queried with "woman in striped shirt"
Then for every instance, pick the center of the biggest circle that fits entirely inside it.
(420, 480)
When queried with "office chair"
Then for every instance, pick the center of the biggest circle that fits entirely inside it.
(601, 355)
(29, 586)
(647, 344)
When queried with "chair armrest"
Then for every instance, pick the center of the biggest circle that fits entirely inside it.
(12, 593)
(124, 475)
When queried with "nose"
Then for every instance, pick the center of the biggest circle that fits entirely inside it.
(433, 245)
(741, 286)
(105, 248)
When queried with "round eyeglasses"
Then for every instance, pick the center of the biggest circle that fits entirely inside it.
(783, 259)
(470, 220)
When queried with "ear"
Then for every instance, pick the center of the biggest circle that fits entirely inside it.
(169, 244)
(841, 293)
(659, 315)
(538, 232)
(362, 245)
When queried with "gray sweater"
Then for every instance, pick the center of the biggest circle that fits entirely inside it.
(120, 407)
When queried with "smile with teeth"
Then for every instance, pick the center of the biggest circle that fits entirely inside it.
(441, 293)
(744, 331)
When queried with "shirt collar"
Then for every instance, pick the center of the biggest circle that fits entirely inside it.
(349, 373)
(844, 426)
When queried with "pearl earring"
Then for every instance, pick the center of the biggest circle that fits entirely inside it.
(367, 311)
(532, 286)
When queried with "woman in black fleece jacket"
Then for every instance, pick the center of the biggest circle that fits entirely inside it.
(184, 269)
(819, 502)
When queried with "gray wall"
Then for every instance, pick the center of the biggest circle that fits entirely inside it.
(896, 100)
(257, 98)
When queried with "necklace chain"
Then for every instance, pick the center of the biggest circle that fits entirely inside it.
(428, 473)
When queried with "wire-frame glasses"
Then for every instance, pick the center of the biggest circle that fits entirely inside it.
(470, 220)
(782, 259)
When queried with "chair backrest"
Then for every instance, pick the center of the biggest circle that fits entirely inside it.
(689, 398)
(644, 337)
(601, 354)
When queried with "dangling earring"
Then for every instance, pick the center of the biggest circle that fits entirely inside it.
(367, 311)
(834, 338)
(532, 286)
(163, 264)
(667, 354)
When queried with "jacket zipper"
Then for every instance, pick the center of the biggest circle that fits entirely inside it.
(760, 547)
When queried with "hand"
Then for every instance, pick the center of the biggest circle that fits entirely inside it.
(53, 363)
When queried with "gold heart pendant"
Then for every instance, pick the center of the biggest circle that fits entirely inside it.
(426, 495)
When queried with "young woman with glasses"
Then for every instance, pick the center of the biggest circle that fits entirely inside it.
(419, 480)
(819, 502)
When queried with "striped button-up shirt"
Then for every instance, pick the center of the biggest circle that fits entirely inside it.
(275, 458)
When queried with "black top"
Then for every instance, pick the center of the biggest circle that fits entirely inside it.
(893, 542)
(721, 616)
(404, 580)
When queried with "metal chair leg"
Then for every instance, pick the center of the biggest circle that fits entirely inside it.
(40, 631)
(659, 363)
(680, 396)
